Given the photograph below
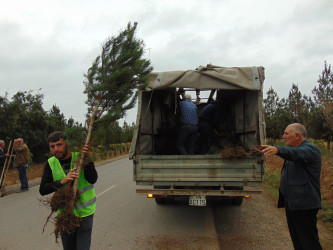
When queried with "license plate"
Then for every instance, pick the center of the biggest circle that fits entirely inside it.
(197, 200)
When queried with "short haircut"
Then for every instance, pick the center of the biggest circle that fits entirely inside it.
(188, 96)
(299, 128)
(2, 142)
(56, 136)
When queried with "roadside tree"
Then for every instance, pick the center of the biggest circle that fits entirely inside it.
(275, 115)
(56, 119)
(297, 106)
(323, 96)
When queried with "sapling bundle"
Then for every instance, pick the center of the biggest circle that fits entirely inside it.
(111, 85)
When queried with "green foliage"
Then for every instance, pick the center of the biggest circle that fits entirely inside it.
(272, 178)
(323, 96)
(271, 191)
(115, 76)
(272, 183)
(24, 117)
(103, 153)
(56, 119)
(297, 106)
(75, 137)
(275, 115)
(324, 92)
(107, 134)
(127, 132)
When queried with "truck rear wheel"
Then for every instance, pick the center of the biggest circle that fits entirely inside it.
(237, 201)
(159, 200)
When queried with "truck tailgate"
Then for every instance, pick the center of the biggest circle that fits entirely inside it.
(197, 170)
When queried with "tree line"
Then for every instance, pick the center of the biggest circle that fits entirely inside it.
(23, 116)
(314, 112)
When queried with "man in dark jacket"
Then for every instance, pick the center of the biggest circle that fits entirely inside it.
(209, 119)
(21, 162)
(300, 185)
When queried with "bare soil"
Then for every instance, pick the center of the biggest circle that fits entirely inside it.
(33, 172)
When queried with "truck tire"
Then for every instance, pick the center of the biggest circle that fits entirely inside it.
(237, 201)
(159, 200)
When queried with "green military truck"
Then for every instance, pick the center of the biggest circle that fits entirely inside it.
(234, 171)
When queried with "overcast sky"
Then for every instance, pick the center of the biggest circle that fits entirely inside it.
(46, 45)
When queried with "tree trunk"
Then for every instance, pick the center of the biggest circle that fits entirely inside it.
(82, 156)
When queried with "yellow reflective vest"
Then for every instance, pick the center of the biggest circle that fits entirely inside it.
(87, 204)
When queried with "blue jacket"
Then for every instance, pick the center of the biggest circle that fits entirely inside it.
(300, 177)
(187, 112)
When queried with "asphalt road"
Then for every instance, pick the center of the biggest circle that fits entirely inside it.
(123, 219)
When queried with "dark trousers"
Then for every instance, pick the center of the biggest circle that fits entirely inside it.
(23, 176)
(3, 176)
(207, 136)
(81, 238)
(303, 230)
(186, 139)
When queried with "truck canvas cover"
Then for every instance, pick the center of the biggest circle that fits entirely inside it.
(209, 77)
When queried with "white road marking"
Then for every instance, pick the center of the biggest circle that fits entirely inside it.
(105, 191)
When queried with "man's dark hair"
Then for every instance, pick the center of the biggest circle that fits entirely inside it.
(56, 136)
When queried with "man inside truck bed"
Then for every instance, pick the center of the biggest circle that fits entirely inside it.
(300, 185)
(209, 119)
(188, 118)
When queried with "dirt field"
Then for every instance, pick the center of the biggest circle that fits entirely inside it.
(33, 172)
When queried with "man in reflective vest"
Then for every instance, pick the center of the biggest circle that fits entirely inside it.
(60, 170)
